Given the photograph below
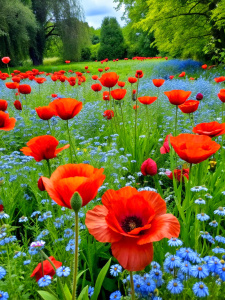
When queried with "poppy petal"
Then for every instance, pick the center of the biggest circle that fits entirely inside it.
(131, 256)
(97, 226)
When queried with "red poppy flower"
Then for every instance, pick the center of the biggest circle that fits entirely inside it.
(109, 80)
(94, 77)
(135, 106)
(182, 74)
(105, 96)
(107, 68)
(46, 267)
(158, 82)
(66, 108)
(219, 79)
(100, 70)
(132, 80)
(149, 167)
(54, 95)
(134, 92)
(147, 100)
(204, 66)
(221, 95)
(24, 89)
(130, 228)
(139, 74)
(177, 97)
(3, 105)
(16, 79)
(54, 78)
(121, 84)
(86, 67)
(166, 147)
(43, 147)
(118, 94)
(71, 178)
(6, 123)
(40, 80)
(67, 61)
(108, 114)
(40, 184)
(210, 129)
(189, 106)
(62, 78)
(171, 76)
(12, 85)
(6, 60)
(199, 96)
(45, 112)
(96, 87)
(17, 105)
(191, 78)
(177, 174)
(193, 148)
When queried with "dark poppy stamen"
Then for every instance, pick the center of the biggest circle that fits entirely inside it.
(130, 223)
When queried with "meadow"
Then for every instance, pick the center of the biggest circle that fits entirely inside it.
(172, 202)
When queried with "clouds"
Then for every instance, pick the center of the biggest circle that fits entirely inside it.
(96, 10)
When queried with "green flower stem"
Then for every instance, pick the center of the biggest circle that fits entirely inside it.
(71, 144)
(147, 117)
(58, 279)
(75, 255)
(189, 186)
(49, 168)
(8, 69)
(49, 127)
(135, 125)
(132, 286)
(176, 121)
(157, 185)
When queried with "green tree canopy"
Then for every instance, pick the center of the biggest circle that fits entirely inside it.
(17, 27)
(111, 40)
(181, 28)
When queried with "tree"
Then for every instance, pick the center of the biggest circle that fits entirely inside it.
(17, 27)
(181, 28)
(111, 40)
(63, 18)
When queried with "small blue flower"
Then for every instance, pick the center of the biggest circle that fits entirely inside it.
(138, 284)
(4, 295)
(200, 271)
(200, 289)
(172, 262)
(155, 265)
(186, 254)
(2, 273)
(220, 211)
(68, 233)
(175, 242)
(27, 262)
(156, 274)
(213, 224)
(203, 217)
(220, 239)
(218, 250)
(149, 286)
(115, 295)
(186, 267)
(63, 271)
(35, 214)
(90, 291)
(200, 201)
(115, 270)
(175, 286)
(44, 281)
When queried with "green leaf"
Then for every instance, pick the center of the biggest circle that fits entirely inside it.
(84, 294)
(67, 292)
(78, 276)
(99, 281)
(47, 295)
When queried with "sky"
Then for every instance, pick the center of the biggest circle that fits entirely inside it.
(96, 10)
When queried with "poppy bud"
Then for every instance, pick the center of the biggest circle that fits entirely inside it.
(76, 202)
(17, 105)
(199, 96)
(41, 185)
(149, 167)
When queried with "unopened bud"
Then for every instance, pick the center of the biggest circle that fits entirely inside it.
(76, 202)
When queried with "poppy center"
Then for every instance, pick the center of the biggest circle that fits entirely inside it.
(130, 223)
